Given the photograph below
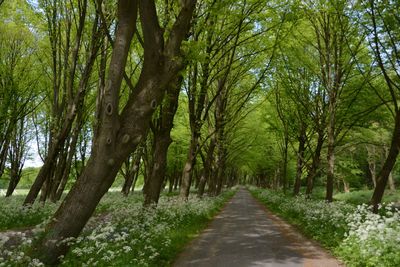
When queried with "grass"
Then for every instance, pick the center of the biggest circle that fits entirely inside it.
(189, 230)
(14, 216)
(364, 196)
(353, 233)
(313, 217)
(122, 232)
(156, 237)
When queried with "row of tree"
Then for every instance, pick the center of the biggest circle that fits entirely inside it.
(197, 94)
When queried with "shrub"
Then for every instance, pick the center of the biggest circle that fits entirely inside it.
(353, 233)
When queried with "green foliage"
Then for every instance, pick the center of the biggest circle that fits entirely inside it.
(364, 196)
(324, 222)
(372, 239)
(13, 215)
(354, 234)
(126, 234)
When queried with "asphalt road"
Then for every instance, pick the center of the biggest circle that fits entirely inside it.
(246, 234)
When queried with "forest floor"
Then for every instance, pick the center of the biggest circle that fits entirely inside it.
(245, 233)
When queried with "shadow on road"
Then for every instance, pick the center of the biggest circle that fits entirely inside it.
(244, 234)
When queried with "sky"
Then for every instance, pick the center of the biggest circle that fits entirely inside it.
(33, 160)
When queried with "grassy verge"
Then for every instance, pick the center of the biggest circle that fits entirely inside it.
(125, 234)
(353, 233)
(364, 196)
(13, 215)
(323, 222)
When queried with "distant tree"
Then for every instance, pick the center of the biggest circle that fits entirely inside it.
(334, 33)
(71, 56)
(19, 92)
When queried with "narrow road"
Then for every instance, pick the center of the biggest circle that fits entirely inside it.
(246, 234)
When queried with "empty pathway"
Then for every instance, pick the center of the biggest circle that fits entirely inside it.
(246, 234)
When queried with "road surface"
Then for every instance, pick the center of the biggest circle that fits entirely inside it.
(246, 234)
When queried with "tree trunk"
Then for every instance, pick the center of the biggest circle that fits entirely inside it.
(60, 169)
(131, 176)
(102, 167)
(17, 152)
(187, 172)
(221, 175)
(162, 140)
(346, 186)
(392, 185)
(119, 134)
(152, 187)
(300, 161)
(387, 166)
(62, 136)
(285, 159)
(372, 164)
(316, 159)
(207, 170)
(330, 178)
(3, 156)
(65, 176)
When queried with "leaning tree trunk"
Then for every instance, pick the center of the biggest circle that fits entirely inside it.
(102, 167)
(16, 152)
(119, 134)
(132, 174)
(61, 138)
(56, 195)
(162, 140)
(387, 166)
(152, 187)
(221, 174)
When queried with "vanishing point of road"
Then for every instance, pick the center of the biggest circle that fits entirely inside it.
(246, 234)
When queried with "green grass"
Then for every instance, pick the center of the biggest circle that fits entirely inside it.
(123, 233)
(314, 218)
(14, 216)
(154, 237)
(353, 233)
(191, 229)
(364, 196)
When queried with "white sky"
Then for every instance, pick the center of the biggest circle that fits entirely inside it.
(33, 156)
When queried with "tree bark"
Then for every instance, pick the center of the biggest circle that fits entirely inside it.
(58, 144)
(207, 170)
(187, 173)
(316, 159)
(285, 159)
(372, 164)
(330, 178)
(132, 175)
(119, 134)
(387, 168)
(300, 160)
(162, 140)
(101, 169)
(17, 153)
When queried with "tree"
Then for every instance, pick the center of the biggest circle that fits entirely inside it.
(18, 95)
(161, 128)
(119, 133)
(67, 95)
(224, 49)
(334, 33)
(383, 38)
